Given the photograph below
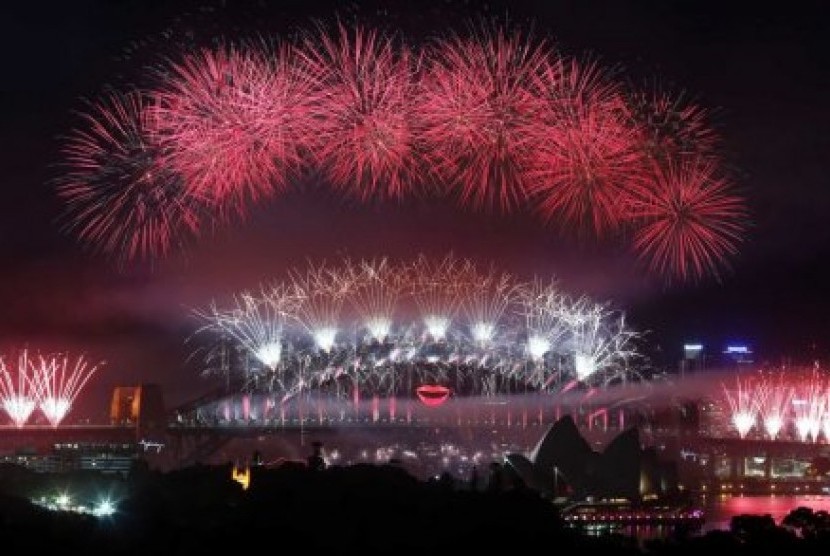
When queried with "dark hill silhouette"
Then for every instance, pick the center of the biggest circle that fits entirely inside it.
(362, 509)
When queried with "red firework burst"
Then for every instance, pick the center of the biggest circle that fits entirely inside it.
(122, 199)
(482, 122)
(671, 128)
(590, 166)
(689, 221)
(364, 122)
(496, 118)
(231, 122)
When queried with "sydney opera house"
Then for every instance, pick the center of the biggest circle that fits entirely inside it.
(564, 464)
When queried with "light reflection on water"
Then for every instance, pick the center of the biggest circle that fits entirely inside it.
(720, 510)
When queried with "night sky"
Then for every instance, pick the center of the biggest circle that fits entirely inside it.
(763, 71)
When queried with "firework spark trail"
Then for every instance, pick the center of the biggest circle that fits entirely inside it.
(374, 288)
(231, 121)
(497, 118)
(670, 128)
(285, 99)
(122, 199)
(774, 402)
(364, 122)
(743, 406)
(18, 389)
(541, 305)
(437, 350)
(481, 119)
(689, 221)
(485, 299)
(256, 323)
(599, 340)
(589, 165)
(321, 292)
(436, 292)
(825, 420)
(59, 380)
(809, 405)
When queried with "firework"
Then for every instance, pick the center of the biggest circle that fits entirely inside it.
(256, 323)
(599, 340)
(374, 289)
(541, 305)
(774, 400)
(321, 292)
(670, 128)
(364, 121)
(485, 298)
(689, 222)
(18, 390)
(537, 338)
(743, 406)
(229, 122)
(809, 406)
(589, 166)
(482, 121)
(495, 117)
(436, 292)
(122, 198)
(825, 420)
(59, 381)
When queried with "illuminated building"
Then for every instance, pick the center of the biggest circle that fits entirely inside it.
(564, 462)
(115, 459)
(242, 475)
(740, 354)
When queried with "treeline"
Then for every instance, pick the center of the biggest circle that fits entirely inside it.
(364, 509)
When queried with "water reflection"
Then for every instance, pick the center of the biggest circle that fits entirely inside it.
(720, 510)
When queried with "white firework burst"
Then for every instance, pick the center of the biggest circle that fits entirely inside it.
(485, 298)
(437, 293)
(18, 389)
(321, 291)
(374, 289)
(59, 380)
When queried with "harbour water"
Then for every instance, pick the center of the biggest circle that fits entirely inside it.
(719, 510)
